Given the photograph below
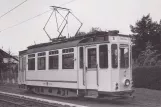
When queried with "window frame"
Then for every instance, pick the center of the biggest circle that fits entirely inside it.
(96, 62)
(124, 46)
(81, 57)
(107, 58)
(55, 53)
(41, 56)
(30, 57)
(65, 52)
(112, 66)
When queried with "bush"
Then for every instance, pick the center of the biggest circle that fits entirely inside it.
(147, 77)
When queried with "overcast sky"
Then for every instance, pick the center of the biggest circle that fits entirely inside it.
(106, 14)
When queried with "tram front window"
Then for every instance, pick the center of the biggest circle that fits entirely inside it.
(124, 57)
(114, 53)
(103, 56)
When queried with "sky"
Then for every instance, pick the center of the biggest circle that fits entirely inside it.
(106, 14)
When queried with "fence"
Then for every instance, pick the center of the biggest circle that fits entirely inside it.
(8, 77)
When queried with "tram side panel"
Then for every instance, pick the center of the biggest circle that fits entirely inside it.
(121, 69)
(81, 68)
(22, 69)
(125, 67)
(104, 68)
(63, 78)
(19, 71)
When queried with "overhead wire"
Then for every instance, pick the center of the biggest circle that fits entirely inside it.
(25, 21)
(13, 9)
(31, 17)
(67, 2)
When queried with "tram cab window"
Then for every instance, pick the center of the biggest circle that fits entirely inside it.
(68, 58)
(114, 55)
(124, 57)
(41, 62)
(92, 59)
(81, 57)
(31, 62)
(53, 60)
(103, 56)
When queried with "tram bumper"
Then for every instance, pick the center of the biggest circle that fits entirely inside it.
(118, 94)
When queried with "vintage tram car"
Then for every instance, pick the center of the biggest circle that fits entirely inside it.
(97, 64)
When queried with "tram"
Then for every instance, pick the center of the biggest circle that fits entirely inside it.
(97, 64)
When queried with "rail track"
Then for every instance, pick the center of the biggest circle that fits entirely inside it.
(15, 101)
(144, 98)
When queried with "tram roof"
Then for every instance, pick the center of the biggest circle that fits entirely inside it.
(67, 42)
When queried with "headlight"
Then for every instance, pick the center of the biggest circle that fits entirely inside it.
(127, 82)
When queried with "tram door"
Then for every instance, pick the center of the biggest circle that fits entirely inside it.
(91, 67)
(22, 69)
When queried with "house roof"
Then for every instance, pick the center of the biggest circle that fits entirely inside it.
(6, 55)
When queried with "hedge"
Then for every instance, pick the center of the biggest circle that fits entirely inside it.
(147, 77)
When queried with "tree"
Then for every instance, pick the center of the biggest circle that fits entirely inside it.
(94, 30)
(146, 30)
(2, 67)
(8, 69)
(148, 57)
(80, 34)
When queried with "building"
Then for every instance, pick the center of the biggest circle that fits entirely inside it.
(8, 67)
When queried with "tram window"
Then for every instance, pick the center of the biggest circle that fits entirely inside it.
(31, 64)
(31, 55)
(53, 52)
(68, 61)
(68, 50)
(103, 56)
(81, 57)
(41, 63)
(92, 59)
(114, 53)
(53, 62)
(124, 57)
(42, 54)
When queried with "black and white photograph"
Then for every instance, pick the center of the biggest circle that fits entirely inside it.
(80, 53)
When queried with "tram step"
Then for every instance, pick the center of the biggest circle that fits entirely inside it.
(91, 96)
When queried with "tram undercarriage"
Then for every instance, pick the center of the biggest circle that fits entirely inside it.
(73, 93)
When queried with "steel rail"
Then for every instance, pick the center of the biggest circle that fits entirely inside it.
(13, 100)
